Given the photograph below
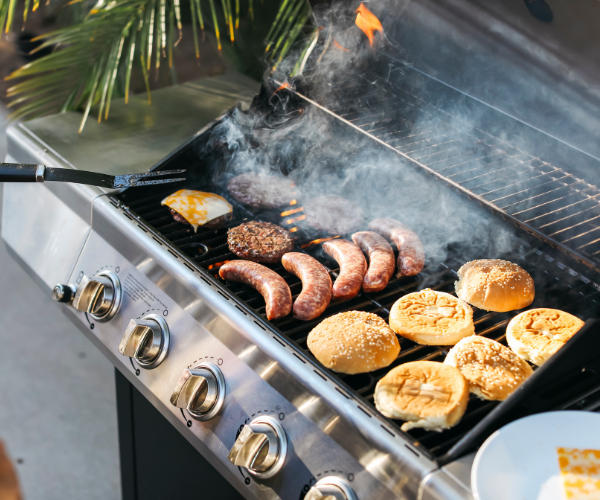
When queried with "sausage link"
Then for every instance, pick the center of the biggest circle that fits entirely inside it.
(353, 268)
(411, 254)
(381, 260)
(316, 285)
(268, 283)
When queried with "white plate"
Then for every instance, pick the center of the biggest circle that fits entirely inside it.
(519, 461)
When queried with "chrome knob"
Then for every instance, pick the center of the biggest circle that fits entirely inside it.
(331, 488)
(200, 391)
(261, 447)
(146, 340)
(99, 296)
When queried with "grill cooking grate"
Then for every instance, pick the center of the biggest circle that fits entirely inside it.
(557, 286)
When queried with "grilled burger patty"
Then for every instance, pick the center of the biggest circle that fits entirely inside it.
(333, 215)
(211, 224)
(260, 190)
(260, 241)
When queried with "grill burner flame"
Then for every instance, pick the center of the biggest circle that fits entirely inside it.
(320, 240)
(218, 264)
(367, 22)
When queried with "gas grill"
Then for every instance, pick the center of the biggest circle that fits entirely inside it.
(488, 187)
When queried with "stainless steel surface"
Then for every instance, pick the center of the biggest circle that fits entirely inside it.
(261, 447)
(332, 487)
(146, 340)
(99, 296)
(201, 391)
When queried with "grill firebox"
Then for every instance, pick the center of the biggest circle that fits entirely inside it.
(526, 188)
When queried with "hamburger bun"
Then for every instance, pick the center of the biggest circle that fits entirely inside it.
(426, 394)
(537, 334)
(495, 285)
(354, 342)
(432, 318)
(493, 371)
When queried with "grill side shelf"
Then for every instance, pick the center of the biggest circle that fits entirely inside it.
(281, 338)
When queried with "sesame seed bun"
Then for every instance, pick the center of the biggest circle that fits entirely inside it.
(495, 285)
(354, 342)
(432, 318)
(426, 394)
(493, 371)
(537, 334)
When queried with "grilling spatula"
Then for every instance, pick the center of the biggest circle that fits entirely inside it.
(17, 172)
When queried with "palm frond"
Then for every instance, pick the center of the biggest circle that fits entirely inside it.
(87, 58)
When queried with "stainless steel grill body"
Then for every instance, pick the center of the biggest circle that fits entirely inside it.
(331, 424)
(330, 434)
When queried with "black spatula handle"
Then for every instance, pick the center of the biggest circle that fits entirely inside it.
(17, 172)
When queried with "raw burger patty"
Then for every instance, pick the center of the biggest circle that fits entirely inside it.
(333, 215)
(260, 241)
(261, 190)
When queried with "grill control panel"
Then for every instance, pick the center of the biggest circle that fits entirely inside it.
(215, 393)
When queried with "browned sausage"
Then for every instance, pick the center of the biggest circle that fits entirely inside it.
(411, 257)
(316, 285)
(381, 260)
(269, 284)
(353, 268)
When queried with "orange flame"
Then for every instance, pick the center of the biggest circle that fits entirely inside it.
(320, 240)
(218, 264)
(290, 212)
(335, 42)
(291, 221)
(293, 202)
(367, 22)
(293, 229)
(283, 86)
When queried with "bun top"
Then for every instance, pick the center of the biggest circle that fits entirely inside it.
(493, 371)
(427, 394)
(495, 285)
(354, 342)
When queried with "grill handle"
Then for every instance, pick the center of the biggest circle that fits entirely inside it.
(15, 172)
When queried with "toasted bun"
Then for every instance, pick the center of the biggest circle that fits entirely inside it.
(354, 342)
(495, 285)
(493, 371)
(424, 393)
(432, 318)
(537, 334)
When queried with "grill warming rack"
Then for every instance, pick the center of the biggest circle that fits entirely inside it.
(539, 196)
(208, 250)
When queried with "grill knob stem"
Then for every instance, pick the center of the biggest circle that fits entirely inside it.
(146, 341)
(63, 293)
(99, 296)
(331, 488)
(260, 447)
(200, 391)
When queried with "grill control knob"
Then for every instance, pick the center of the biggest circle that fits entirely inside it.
(99, 296)
(146, 341)
(331, 488)
(260, 447)
(200, 391)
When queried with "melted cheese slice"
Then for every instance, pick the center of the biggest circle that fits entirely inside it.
(197, 207)
(580, 473)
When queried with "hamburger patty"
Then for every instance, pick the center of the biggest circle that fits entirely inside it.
(261, 190)
(211, 224)
(333, 215)
(260, 241)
